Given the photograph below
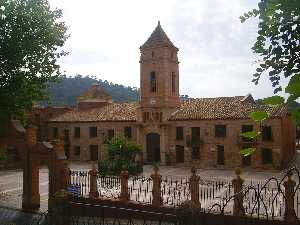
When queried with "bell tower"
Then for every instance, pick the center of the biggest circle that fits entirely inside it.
(159, 76)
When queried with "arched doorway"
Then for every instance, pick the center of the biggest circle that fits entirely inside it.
(153, 147)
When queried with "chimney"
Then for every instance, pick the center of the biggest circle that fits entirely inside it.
(31, 135)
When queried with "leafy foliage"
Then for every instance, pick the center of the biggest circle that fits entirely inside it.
(274, 100)
(65, 92)
(109, 167)
(247, 151)
(278, 45)
(31, 37)
(119, 148)
(122, 154)
(250, 134)
(278, 39)
(258, 116)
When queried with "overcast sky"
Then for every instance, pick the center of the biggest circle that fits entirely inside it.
(214, 47)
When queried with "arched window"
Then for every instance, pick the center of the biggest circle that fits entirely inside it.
(152, 82)
(173, 82)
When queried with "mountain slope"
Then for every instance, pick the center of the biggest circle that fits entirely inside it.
(65, 92)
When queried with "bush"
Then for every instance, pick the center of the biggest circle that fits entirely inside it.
(110, 167)
(121, 155)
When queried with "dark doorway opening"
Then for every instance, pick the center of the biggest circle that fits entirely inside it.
(94, 152)
(153, 147)
(221, 156)
(179, 153)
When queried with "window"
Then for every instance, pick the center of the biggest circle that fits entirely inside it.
(220, 130)
(152, 82)
(152, 54)
(128, 132)
(247, 128)
(173, 82)
(195, 131)
(179, 133)
(77, 132)
(267, 156)
(196, 152)
(54, 132)
(77, 151)
(266, 133)
(66, 135)
(110, 133)
(195, 141)
(93, 132)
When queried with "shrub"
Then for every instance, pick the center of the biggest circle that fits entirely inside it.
(110, 167)
(121, 154)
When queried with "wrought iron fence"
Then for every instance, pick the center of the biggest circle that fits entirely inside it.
(109, 186)
(140, 189)
(82, 180)
(262, 199)
(175, 192)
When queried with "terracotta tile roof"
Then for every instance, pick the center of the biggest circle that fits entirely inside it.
(221, 108)
(95, 91)
(112, 112)
(238, 107)
(158, 38)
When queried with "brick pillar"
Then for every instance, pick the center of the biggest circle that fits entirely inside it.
(156, 191)
(124, 186)
(238, 207)
(94, 193)
(289, 214)
(66, 178)
(194, 186)
(31, 135)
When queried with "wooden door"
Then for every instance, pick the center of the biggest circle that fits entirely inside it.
(94, 152)
(179, 154)
(221, 155)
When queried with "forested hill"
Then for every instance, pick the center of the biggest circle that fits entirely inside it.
(65, 92)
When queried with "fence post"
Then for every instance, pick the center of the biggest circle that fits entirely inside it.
(238, 207)
(124, 186)
(289, 186)
(194, 186)
(156, 191)
(94, 193)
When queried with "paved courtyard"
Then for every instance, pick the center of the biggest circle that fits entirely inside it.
(11, 181)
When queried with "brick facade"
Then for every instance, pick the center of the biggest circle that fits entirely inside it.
(154, 121)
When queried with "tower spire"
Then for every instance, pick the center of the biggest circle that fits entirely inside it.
(158, 38)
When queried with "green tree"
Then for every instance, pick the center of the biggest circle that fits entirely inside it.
(278, 46)
(278, 40)
(31, 37)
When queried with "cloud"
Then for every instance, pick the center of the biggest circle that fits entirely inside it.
(215, 48)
